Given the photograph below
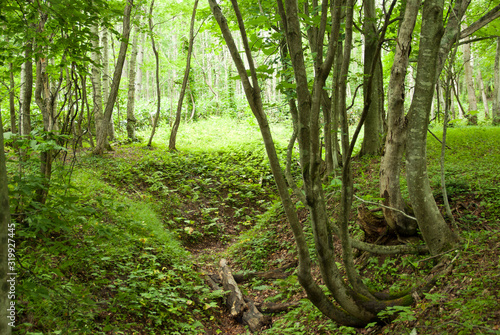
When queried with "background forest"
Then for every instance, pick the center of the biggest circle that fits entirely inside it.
(233, 167)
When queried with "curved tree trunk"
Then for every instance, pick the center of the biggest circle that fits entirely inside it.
(175, 127)
(390, 165)
(435, 231)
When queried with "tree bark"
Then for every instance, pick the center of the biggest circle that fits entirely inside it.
(27, 92)
(97, 85)
(469, 83)
(483, 94)
(390, 165)
(105, 78)
(495, 110)
(175, 127)
(131, 120)
(435, 231)
(374, 123)
(157, 72)
(102, 133)
(5, 224)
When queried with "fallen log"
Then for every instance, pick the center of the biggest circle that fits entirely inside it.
(246, 312)
(234, 299)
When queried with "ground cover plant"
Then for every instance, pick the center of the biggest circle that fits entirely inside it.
(107, 253)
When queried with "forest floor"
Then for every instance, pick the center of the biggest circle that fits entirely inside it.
(117, 263)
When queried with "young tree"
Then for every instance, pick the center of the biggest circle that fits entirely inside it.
(132, 88)
(175, 127)
(102, 132)
(495, 112)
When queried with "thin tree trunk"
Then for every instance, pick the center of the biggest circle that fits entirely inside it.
(12, 105)
(102, 133)
(27, 90)
(105, 79)
(436, 233)
(96, 85)
(469, 81)
(175, 127)
(131, 120)
(483, 94)
(495, 110)
(157, 59)
(7, 306)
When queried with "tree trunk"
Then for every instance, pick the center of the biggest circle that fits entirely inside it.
(495, 110)
(483, 94)
(157, 72)
(7, 306)
(12, 105)
(27, 91)
(469, 81)
(390, 165)
(175, 127)
(435, 231)
(102, 133)
(374, 124)
(96, 85)
(105, 79)
(131, 120)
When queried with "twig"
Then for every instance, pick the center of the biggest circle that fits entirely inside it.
(391, 208)
(438, 255)
(437, 138)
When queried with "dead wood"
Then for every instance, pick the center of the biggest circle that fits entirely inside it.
(244, 311)
(373, 225)
(234, 299)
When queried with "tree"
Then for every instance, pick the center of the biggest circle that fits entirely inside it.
(5, 224)
(175, 127)
(374, 124)
(390, 165)
(102, 132)
(436, 233)
(132, 89)
(469, 83)
(157, 72)
(357, 304)
(495, 113)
